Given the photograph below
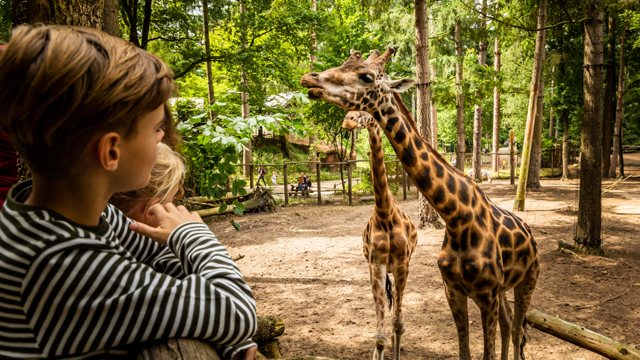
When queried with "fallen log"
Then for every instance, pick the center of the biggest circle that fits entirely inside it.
(269, 327)
(248, 205)
(582, 337)
(367, 198)
(175, 349)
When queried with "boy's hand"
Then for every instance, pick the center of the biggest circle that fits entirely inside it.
(247, 354)
(169, 217)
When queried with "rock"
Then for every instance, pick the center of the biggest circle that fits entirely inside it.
(604, 272)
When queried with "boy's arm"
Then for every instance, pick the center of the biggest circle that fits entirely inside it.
(82, 295)
(145, 250)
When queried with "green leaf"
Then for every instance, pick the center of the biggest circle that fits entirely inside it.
(222, 208)
(235, 224)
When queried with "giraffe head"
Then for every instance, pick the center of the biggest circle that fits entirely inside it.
(358, 120)
(358, 84)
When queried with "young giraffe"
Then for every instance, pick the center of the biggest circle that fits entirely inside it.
(388, 239)
(486, 250)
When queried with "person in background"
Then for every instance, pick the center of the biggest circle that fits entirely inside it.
(261, 173)
(273, 179)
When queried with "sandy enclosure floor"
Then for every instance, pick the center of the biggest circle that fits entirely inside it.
(305, 264)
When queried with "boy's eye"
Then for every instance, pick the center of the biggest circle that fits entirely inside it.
(160, 128)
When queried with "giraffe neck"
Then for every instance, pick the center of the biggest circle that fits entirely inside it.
(447, 189)
(383, 196)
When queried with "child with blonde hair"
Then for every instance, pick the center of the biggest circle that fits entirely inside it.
(166, 175)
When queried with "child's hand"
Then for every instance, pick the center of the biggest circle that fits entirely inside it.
(169, 217)
(247, 354)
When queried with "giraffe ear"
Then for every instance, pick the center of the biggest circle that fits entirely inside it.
(349, 125)
(400, 85)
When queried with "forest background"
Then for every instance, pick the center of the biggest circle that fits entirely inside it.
(263, 47)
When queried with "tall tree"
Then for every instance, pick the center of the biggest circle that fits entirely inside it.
(247, 157)
(609, 94)
(551, 120)
(111, 18)
(589, 226)
(312, 59)
(477, 118)
(496, 108)
(533, 180)
(87, 13)
(130, 9)
(427, 214)
(434, 103)
(459, 97)
(207, 51)
(538, 57)
(617, 137)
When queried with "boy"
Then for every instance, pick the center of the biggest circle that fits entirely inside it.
(77, 277)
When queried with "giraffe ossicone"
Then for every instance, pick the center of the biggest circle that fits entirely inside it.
(486, 250)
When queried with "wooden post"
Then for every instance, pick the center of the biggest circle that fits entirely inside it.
(286, 186)
(582, 337)
(404, 184)
(319, 189)
(398, 173)
(511, 158)
(251, 176)
(349, 177)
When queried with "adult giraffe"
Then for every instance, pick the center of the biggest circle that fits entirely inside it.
(486, 250)
(389, 239)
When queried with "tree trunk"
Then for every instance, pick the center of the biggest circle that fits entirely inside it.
(551, 120)
(87, 13)
(459, 97)
(496, 111)
(146, 23)
(111, 18)
(565, 148)
(312, 59)
(518, 204)
(477, 118)
(434, 104)
(617, 143)
(428, 217)
(589, 228)
(130, 8)
(608, 99)
(247, 156)
(533, 181)
(207, 52)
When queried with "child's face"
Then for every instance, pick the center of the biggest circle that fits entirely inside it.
(138, 153)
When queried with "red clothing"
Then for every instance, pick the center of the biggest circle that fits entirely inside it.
(8, 166)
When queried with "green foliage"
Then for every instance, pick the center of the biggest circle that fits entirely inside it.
(5, 20)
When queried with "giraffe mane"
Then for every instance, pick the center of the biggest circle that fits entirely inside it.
(404, 110)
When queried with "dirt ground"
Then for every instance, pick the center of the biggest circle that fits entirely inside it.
(305, 264)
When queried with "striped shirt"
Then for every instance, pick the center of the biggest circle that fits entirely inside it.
(74, 291)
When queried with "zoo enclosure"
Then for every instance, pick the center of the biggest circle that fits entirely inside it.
(552, 157)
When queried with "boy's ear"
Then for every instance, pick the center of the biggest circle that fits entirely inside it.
(148, 206)
(109, 151)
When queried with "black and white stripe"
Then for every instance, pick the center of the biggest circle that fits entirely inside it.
(70, 291)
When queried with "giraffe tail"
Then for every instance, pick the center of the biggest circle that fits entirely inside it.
(389, 291)
(524, 338)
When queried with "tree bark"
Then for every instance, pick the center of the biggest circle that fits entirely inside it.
(582, 337)
(207, 52)
(312, 59)
(617, 143)
(87, 13)
(247, 155)
(518, 204)
(609, 94)
(459, 97)
(111, 18)
(565, 148)
(146, 23)
(588, 230)
(496, 111)
(533, 181)
(477, 118)
(428, 217)
(434, 103)
(551, 120)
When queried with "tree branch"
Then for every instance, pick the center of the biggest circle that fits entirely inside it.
(259, 35)
(169, 39)
(571, 21)
(198, 62)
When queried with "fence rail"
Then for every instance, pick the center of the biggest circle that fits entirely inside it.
(509, 164)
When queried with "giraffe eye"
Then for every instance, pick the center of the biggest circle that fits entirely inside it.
(366, 78)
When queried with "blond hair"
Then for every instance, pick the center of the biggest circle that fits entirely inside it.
(167, 173)
(63, 86)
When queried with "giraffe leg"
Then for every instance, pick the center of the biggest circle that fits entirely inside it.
(523, 292)
(489, 313)
(458, 305)
(400, 279)
(505, 318)
(378, 281)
